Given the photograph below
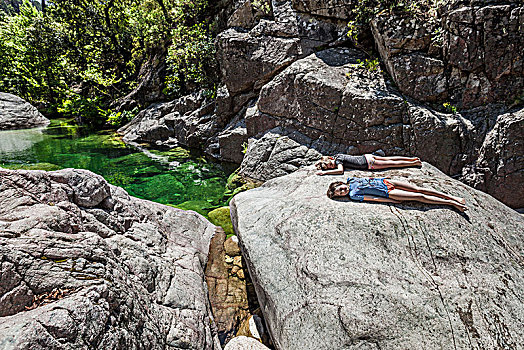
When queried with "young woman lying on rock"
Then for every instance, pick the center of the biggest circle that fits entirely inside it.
(335, 165)
(391, 191)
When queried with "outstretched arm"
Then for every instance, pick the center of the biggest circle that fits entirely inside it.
(380, 199)
(338, 171)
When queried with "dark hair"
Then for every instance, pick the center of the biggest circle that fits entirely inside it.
(332, 187)
(324, 162)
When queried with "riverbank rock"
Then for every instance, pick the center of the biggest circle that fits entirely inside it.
(16, 113)
(84, 265)
(471, 54)
(499, 168)
(340, 274)
(187, 121)
(327, 103)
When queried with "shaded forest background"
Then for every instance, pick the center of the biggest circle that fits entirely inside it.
(80, 58)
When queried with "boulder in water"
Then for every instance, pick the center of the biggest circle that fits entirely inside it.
(16, 113)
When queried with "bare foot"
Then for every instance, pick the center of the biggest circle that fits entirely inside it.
(461, 208)
(459, 200)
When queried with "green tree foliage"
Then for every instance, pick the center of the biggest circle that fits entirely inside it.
(13, 6)
(87, 53)
(32, 63)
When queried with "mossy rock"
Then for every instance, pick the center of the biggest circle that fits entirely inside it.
(119, 179)
(236, 184)
(222, 217)
(107, 140)
(174, 154)
(36, 166)
(132, 160)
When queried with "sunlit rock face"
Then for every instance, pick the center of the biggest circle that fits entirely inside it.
(326, 103)
(84, 265)
(471, 55)
(350, 275)
(15, 113)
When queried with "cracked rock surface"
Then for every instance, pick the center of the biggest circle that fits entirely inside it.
(331, 100)
(471, 56)
(349, 275)
(16, 113)
(117, 272)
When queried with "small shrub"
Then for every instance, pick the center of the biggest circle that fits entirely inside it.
(118, 118)
(450, 108)
(371, 65)
(261, 6)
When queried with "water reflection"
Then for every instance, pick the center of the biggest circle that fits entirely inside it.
(17, 141)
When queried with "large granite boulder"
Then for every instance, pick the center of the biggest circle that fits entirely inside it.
(469, 55)
(84, 265)
(349, 275)
(499, 168)
(250, 56)
(328, 103)
(277, 153)
(16, 113)
(187, 121)
(330, 98)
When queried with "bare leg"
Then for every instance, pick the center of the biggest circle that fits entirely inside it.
(382, 164)
(406, 186)
(411, 159)
(401, 195)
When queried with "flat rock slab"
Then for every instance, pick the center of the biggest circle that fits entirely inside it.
(349, 275)
(85, 266)
(16, 113)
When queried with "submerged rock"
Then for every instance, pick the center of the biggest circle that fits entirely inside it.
(16, 113)
(84, 265)
(337, 274)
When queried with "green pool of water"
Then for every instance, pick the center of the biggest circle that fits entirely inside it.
(176, 177)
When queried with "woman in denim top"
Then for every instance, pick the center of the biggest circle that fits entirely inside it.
(391, 191)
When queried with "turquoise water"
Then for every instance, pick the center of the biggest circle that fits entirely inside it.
(177, 176)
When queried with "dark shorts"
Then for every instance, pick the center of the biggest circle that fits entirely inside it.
(389, 185)
(352, 162)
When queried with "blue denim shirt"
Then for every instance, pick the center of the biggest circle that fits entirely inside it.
(359, 186)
